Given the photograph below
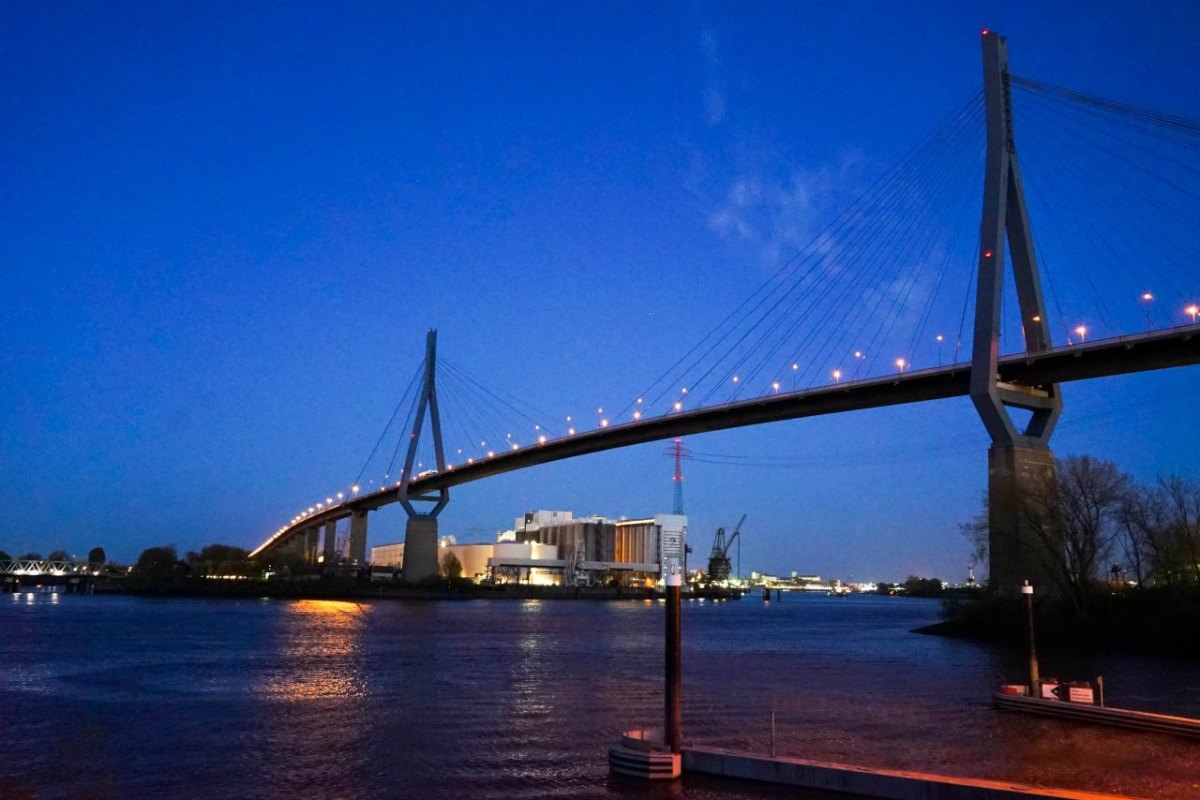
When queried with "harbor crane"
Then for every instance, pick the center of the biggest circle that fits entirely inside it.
(718, 561)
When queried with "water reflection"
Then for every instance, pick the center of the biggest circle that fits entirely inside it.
(495, 700)
(320, 651)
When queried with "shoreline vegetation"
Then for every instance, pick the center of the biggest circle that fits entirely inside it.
(1152, 621)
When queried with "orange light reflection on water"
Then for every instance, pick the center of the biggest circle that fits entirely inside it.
(321, 654)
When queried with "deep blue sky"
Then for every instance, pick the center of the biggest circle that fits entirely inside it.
(225, 228)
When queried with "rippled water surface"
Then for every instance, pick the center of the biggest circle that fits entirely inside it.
(129, 697)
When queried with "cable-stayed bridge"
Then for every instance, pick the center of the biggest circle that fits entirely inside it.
(874, 312)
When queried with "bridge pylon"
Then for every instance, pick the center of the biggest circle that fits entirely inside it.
(421, 532)
(1020, 461)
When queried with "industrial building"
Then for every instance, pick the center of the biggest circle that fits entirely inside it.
(556, 548)
(473, 557)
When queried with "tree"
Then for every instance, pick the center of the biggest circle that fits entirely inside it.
(1182, 509)
(58, 555)
(221, 559)
(156, 564)
(97, 556)
(32, 557)
(1161, 532)
(922, 587)
(5, 556)
(222, 552)
(451, 567)
(1077, 521)
(976, 532)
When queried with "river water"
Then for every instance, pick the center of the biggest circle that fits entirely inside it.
(135, 698)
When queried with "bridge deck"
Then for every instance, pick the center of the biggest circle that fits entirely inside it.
(1175, 347)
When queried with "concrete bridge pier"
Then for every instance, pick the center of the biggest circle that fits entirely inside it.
(1020, 464)
(299, 547)
(358, 538)
(330, 545)
(1017, 552)
(309, 547)
(420, 549)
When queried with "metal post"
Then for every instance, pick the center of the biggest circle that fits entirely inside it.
(1034, 678)
(674, 583)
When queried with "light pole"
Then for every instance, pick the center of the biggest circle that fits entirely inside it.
(674, 699)
(1147, 299)
(939, 338)
(1082, 331)
(1034, 678)
(1194, 310)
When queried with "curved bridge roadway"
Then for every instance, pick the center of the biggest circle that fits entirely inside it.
(1176, 347)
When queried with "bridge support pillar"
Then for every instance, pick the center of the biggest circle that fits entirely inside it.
(358, 538)
(330, 546)
(1017, 553)
(420, 549)
(308, 549)
(1020, 464)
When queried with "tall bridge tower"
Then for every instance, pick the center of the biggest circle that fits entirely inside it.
(421, 532)
(1020, 461)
